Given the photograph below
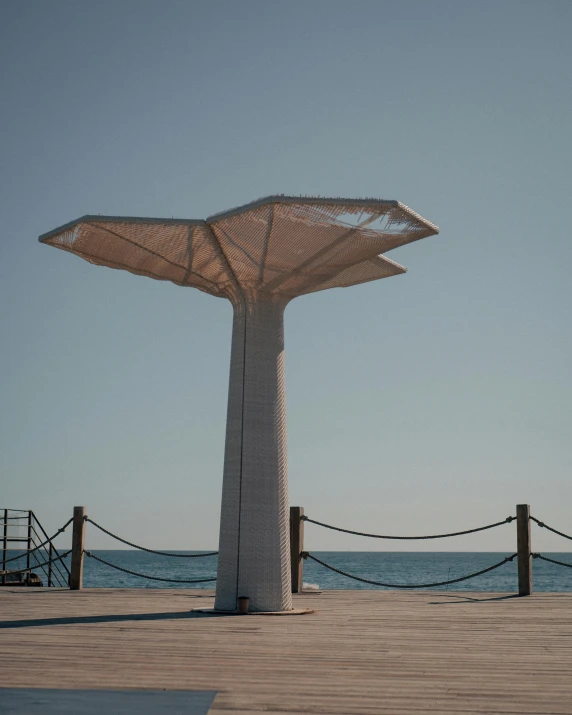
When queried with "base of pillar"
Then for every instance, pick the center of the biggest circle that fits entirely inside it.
(215, 612)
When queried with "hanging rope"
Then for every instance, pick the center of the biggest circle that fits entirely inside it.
(142, 575)
(39, 566)
(143, 548)
(410, 538)
(41, 546)
(552, 561)
(307, 555)
(554, 531)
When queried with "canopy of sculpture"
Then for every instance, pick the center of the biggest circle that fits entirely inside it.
(280, 245)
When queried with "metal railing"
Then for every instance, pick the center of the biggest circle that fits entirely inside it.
(34, 548)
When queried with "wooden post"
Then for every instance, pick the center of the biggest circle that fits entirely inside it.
(296, 546)
(523, 547)
(76, 575)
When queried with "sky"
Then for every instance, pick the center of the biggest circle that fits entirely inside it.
(433, 401)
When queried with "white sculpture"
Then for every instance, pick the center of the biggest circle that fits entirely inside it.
(259, 256)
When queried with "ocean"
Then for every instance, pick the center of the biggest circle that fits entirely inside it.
(388, 566)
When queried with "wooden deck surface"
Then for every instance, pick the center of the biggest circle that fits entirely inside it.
(360, 652)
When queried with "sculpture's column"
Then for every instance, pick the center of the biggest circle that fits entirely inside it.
(254, 553)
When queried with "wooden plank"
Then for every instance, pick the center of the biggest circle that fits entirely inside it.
(359, 653)
(524, 550)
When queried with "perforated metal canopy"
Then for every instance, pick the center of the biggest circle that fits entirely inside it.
(279, 244)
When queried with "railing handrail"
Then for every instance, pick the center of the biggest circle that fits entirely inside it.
(409, 538)
(37, 541)
(40, 546)
(147, 576)
(308, 555)
(53, 565)
(31, 568)
(550, 528)
(60, 577)
(144, 548)
(31, 541)
(56, 571)
(45, 534)
(524, 550)
(552, 561)
(10, 518)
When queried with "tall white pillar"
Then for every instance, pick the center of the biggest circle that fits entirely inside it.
(254, 550)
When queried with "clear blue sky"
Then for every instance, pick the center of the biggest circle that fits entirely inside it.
(437, 399)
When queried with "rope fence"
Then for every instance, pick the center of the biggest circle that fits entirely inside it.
(307, 555)
(146, 576)
(144, 548)
(410, 538)
(524, 553)
(552, 561)
(550, 528)
(554, 531)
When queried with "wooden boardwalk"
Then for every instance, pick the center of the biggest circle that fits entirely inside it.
(360, 652)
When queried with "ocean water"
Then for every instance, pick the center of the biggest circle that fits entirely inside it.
(388, 566)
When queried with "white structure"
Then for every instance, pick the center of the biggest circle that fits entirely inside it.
(259, 256)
